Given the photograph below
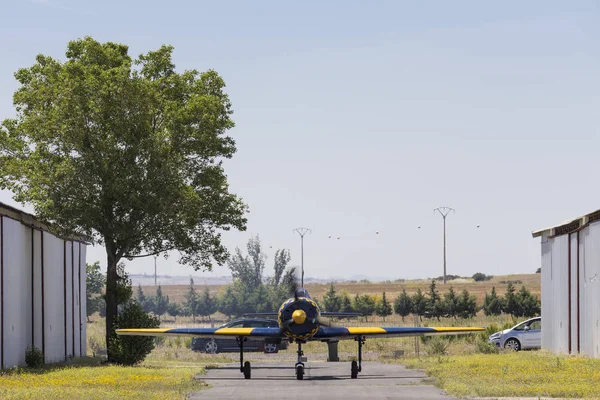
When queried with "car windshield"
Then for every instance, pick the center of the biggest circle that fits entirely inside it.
(536, 325)
(520, 327)
(233, 324)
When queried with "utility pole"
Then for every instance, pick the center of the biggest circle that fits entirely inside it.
(302, 232)
(444, 211)
(155, 257)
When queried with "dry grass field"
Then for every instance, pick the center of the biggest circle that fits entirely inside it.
(392, 289)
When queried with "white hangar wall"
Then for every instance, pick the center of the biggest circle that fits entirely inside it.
(571, 286)
(42, 291)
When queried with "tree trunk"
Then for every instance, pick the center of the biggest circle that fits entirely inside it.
(111, 299)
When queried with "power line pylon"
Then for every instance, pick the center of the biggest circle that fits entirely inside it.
(444, 211)
(302, 232)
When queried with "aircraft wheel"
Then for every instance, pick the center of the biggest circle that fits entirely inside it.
(299, 372)
(247, 370)
(354, 370)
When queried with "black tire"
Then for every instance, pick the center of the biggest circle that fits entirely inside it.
(299, 372)
(247, 370)
(512, 343)
(354, 370)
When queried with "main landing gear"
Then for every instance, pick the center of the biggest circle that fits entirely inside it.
(299, 365)
(244, 366)
(355, 367)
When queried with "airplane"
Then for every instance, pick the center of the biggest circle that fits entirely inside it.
(300, 320)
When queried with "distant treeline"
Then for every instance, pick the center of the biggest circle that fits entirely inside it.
(250, 292)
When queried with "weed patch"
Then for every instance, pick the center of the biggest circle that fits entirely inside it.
(87, 379)
(513, 374)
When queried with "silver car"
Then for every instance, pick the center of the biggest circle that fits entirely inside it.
(526, 335)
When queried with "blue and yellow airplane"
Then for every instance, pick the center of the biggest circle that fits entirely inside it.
(300, 321)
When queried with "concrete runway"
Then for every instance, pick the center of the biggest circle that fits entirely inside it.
(322, 380)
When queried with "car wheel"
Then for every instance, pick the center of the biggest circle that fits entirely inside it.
(211, 347)
(512, 344)
(270, 348)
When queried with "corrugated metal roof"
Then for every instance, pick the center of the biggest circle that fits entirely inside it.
(584, 219)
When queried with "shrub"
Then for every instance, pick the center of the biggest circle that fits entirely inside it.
(489, 330)
(130, 350)
(95, 344)
(485, 347)
(177, 342)
(480, 277)
(34, 358)
(438, 345)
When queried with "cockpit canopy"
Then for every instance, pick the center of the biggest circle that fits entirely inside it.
(301, 292)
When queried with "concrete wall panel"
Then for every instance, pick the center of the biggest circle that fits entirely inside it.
(36, 305)
(546, 294)
(559, 293)
(54, 298)
(590, 299)
(572, 284)
(2, 305)
(68, 301)
(82, 255)
(17, 291)
(76, 300)
(37, 288)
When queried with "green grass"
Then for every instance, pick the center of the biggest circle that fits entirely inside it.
(167, 373)
(458, 368)
(513, 374)
(88, 379)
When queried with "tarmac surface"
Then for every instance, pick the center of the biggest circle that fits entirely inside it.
(322, 380)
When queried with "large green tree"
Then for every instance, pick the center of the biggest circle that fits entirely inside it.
(206, 305)
(403, 304)
(253, 291)
(384, 307)
(492, 303)
(434, 302)
(161, 302)
(450, 303)
(125, 151)
(331, 301)
(419, 303)
(248, 269)
(190, 304)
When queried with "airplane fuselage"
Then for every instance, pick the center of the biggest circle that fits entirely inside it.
(298, 318)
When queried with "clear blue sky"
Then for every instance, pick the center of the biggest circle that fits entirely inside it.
(355, 117)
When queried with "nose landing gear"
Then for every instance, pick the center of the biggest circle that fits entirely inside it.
(299, 365)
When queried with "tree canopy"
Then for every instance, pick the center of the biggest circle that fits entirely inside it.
(125, 151)
(403, 304)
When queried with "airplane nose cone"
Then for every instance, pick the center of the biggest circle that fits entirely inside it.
(299, 316)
